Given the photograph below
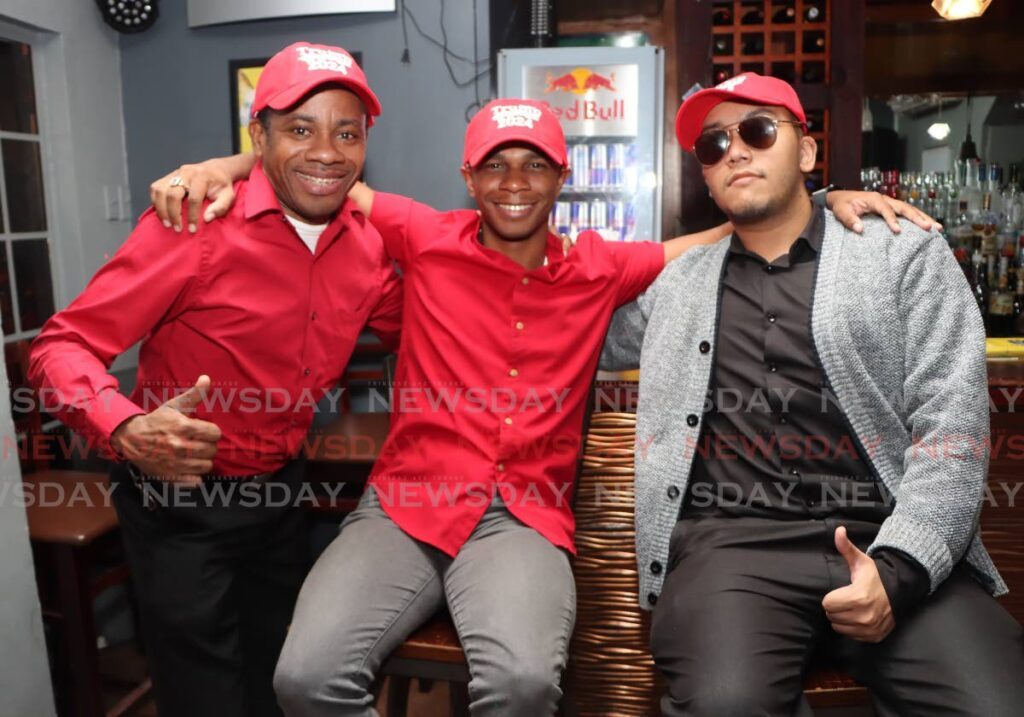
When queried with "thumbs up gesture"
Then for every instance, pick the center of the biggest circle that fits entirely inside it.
(860, 610)
(167, 442)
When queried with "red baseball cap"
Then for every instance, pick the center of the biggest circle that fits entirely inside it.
(515, 120)
(290, 75)
(749, 87)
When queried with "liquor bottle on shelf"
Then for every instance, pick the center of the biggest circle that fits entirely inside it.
(988, 224)
(964, 260)
(723, 45)
(814, 11)
(961, 233)
(970, 192)
(783, 13)
(981, 286)
(1018, 307)
(1013, 201)
(722, 15)
(721, 73)
(814, 42)
(753, 44)
(752, 15)
(1000, 306)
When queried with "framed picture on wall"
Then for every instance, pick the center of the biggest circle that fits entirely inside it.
(244, 76)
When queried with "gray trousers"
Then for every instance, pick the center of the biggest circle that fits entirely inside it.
(510, 592)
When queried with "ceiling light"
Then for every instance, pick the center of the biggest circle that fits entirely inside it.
(960, 9)
(939, 131)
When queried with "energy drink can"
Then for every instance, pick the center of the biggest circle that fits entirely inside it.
(598, 165)
(579, 161)
(579, 217)
(616, 165)
(563, 217)
(617, 218)
(598, 214)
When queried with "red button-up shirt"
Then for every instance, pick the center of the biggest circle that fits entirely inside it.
(493, 372)
(243, 301)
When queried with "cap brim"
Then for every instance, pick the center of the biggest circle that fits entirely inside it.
(480, 153)
(287, 98)
(690, 120)
(691, 115)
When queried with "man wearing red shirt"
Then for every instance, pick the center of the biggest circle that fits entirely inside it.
(266, 307)
(470, 500)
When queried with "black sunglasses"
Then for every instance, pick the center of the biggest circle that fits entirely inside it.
(757, 132)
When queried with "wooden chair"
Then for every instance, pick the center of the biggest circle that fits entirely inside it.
(76, 546)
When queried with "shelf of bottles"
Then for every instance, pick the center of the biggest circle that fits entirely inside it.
(600, 193)
(982, 213)
(788, 39)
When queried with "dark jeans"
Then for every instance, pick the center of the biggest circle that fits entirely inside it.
(740, 619)
(216, 585)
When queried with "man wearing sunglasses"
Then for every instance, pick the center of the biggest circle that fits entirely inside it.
(814, 416)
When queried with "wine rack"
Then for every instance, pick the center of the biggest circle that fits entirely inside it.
(788, 39)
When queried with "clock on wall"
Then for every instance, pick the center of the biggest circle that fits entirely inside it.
(129, 16)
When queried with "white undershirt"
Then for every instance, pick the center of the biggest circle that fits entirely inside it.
(308, 233)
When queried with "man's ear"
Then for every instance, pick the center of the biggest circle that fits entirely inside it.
(258, 135)
(467, 176)
(563, 176)
(808, 153)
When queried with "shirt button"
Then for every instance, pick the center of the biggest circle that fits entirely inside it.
(773, 368)
(306, 372)
(520, 326)
(772, 318)
(704, 347)
(769, 268)
(526, 280)
(652, 599)
(673, 492)
(692, 420)
(782, 420)
(501, 467)
(508, 421)
(656, 567)
(794, 472)
(513, 372)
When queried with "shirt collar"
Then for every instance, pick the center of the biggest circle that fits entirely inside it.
(260, 199)
(811, 237)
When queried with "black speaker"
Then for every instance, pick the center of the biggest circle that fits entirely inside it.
(129, 16)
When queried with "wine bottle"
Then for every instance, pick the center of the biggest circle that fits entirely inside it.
(784, 14)
(814, 11)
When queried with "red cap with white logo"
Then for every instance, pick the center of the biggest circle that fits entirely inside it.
(514, 120)
(299, 68)
(750, 88)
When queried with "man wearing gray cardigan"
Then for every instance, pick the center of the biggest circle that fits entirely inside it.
(812, 445)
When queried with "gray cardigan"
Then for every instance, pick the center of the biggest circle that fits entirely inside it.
(902, 346)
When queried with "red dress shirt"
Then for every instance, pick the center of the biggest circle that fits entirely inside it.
(493, 372)
(243, 301)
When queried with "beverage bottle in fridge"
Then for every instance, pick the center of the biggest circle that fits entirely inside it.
(616, 165)
(617, 218)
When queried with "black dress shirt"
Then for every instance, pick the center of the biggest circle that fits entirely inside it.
(775, 442)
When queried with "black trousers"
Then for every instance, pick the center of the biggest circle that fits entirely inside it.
(216, 584)
(740, 619)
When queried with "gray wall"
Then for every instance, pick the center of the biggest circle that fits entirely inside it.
(918, 140)
(24, 672)
(176, 92)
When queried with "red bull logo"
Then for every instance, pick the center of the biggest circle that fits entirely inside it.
(579, 82)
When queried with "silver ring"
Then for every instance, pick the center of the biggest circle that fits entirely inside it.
(179, 182)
